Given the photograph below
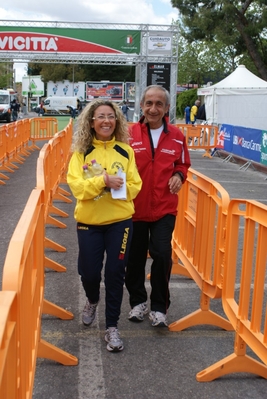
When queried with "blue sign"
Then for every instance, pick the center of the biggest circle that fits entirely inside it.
(243, 142)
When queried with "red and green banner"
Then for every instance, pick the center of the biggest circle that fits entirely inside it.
(68, 40)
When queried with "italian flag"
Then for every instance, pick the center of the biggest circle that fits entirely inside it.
(129, 39)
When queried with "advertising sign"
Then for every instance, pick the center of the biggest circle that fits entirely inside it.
(113, 91)
(264, 148)
(32, 85)
(247, 143)
(130, 91)
(64, 40)
(159, 44)
(66, 88)
(159, 74)
(243, 142)
(225, 140)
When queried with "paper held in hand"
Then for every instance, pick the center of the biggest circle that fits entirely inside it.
(121, 193)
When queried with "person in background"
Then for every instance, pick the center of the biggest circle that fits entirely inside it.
(41, 109)
(187, 114)
(15, 108)
(201, 113)
(72, 111)
(104, 225)
(125, 110)
(79, 106)
(193, 112)
(162, 160)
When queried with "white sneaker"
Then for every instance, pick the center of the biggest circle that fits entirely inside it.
(114, 342)
(89, 313)
(137, 313)
(158, 319)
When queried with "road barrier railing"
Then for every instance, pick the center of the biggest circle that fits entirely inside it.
(42, 129)
(51, 167)
(198, 245)
(244, 294)
(200, 137)
(23, 274)
(3, 154)
(9, 365)
(18, 139)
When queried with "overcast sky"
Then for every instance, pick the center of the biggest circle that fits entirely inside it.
(106, 11)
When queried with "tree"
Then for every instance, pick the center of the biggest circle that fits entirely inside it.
(5, 77)
(188, 97)
(82, 72)
(240, 25)
(200, 62)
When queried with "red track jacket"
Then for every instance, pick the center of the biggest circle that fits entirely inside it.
(156, 167)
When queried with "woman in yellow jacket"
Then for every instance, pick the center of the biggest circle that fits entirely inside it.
(104, 208)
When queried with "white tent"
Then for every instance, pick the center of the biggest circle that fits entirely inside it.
(240, 100)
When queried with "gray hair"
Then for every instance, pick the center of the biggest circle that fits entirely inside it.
(167, 94)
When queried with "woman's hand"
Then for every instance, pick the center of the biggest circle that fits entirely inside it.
(113, 181)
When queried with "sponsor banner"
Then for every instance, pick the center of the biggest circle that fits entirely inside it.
(243, 142)
(159, 44)
(113, 91)
(66, 88)
(64, 40)
(225, 138)
(247, 143)
(264, 148)
(32, 85)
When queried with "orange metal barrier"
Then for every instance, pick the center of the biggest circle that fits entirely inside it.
(23, 128)
(51, 166)
(24, 273)
(9, 371)
(3, 154)
(11, 148)
(59, 157)
(42, 129)
(66, 151)
(200, 137)
(15, 138)
(244, 295)
(198, 242)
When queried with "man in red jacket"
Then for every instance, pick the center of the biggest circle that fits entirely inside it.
(162, 160)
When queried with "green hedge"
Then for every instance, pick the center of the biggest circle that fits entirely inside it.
(185, 98)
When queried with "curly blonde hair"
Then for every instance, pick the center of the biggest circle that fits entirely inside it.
(83, 137)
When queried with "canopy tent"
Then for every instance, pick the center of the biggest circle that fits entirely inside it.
(240, 100)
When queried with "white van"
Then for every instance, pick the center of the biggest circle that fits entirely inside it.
(58, 104)
(5, 101)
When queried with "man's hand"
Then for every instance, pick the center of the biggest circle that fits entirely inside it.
(175, 184)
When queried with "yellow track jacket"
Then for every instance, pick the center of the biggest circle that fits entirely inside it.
(112, 155)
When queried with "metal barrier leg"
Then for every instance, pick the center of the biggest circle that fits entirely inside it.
(247, 165)
(232, 364)
(2, 176)
(201, 316)
(229, 158)
(51, 264)
(57, 311)
(49, 351)
(237, 362)
(53, 245)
